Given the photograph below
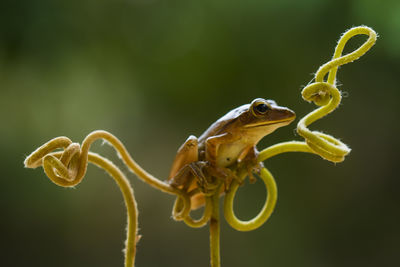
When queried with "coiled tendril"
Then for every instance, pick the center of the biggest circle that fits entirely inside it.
(68, 167)
(326, 95)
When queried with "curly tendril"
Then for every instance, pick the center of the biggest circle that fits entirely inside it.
(328, 97)
(67, 167)
(63, 168)
(266, 211)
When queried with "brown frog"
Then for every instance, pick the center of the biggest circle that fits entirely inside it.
(227, 144)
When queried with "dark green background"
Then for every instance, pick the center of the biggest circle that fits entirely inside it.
(153, 72)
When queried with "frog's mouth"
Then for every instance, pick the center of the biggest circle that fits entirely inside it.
(284, 121)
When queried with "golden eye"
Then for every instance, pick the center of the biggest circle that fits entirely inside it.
(261, 108)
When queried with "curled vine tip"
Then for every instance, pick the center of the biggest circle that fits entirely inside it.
(68, 167)
(325, 95)
(263, 215)
(34, 160)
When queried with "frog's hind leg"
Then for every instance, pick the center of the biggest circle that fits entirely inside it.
(187, 172)
(184, 177)
(186, 154)
(191, 179)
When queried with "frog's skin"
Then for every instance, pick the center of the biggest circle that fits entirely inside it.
(228, 143)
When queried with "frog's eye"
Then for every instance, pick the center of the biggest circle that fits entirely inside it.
(260, 108)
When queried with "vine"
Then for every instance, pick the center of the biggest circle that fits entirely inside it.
(67, 168)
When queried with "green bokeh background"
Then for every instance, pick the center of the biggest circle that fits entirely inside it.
(152, 72)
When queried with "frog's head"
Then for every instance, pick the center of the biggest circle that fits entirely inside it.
(265, 116)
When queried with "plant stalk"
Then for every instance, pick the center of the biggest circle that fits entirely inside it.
(215, 232)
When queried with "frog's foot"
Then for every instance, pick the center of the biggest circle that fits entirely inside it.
(204, 181)
(197, 170)
(185, 175)
(252, 166)
(225, 174)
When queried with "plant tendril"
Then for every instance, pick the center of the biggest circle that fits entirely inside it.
(68, 167)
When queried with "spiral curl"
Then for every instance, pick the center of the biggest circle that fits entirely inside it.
(64, 169)
(328, 97)
(67, 168)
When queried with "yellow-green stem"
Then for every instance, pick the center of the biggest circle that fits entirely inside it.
(130, 203)
(215, 232)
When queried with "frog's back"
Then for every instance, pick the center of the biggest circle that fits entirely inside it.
(222, 123)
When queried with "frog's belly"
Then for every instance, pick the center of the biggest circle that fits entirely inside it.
(229, 153)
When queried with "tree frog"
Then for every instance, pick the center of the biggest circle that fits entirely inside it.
(227, 144)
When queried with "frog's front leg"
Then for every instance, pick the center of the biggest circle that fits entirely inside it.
(217, 159)
(213, 143)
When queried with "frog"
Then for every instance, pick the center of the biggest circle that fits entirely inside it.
(227, 145)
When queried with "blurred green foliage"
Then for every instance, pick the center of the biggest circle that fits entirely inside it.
(152, 72)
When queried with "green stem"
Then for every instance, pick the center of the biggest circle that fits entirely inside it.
(215, 232)
(130, 203)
